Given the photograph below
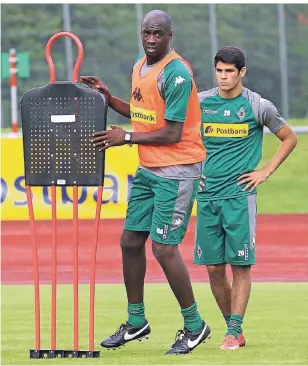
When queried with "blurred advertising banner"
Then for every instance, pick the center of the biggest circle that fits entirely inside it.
(121, 165)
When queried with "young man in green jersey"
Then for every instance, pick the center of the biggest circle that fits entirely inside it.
(233, 118)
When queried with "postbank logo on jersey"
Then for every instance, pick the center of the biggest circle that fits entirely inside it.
(226, 129)
(143, 115)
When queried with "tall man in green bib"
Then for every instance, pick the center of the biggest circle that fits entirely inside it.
(165, 114)
(233, 118)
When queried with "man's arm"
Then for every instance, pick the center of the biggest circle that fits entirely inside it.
(170, 134)
(288, 140)
(118, 105)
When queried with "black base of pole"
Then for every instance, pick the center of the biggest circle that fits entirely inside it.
(63, 353)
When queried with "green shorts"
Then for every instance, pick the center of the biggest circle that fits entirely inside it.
(160, 206)
(226, 231)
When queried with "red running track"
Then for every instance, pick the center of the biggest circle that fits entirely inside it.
(281, 245)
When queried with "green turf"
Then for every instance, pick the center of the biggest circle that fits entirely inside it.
(286, 190)
(275, 326)
(298, 122)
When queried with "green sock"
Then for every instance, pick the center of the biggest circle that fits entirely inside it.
(235, 325)
(192, 318)
(136, 314)
(227, 319)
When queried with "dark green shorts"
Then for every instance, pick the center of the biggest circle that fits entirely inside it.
(160, 206)
(226, 231)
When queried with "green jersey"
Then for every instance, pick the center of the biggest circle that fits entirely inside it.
(232, 132)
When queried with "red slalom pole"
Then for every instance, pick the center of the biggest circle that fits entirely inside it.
(75, 243)
(36, 270)
(51, 67)
(13, 84)
(54, 268)
(93, 267)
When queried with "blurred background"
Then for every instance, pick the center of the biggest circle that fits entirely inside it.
(273, 37)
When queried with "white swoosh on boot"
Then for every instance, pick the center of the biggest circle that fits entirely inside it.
(129, 337)
(193, 344)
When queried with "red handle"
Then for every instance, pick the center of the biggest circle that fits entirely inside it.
(51, 66)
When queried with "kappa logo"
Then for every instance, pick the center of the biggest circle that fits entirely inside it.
(179, 80)
(137, 95)
(227, 113)
(208, 129)
(178, 222)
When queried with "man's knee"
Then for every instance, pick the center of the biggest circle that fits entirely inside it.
(217, 272)
(133, 240)
(163, 252)
(241, 271)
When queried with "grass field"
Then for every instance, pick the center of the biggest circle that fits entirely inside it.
(286, 189)
(275, 326)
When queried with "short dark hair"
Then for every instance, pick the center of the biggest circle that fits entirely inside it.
(231, 55)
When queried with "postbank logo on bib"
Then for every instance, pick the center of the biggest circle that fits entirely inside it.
(225, 129)
(143, 115)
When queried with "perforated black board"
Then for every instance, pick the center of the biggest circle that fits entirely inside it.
(58, 121)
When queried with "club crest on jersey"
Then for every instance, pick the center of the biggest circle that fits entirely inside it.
(199, 251)
(241, 114)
